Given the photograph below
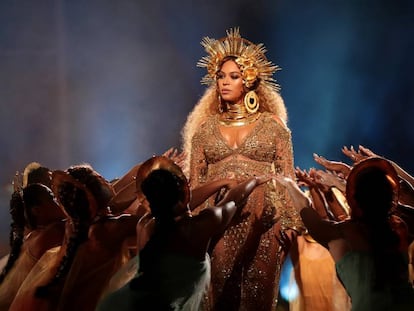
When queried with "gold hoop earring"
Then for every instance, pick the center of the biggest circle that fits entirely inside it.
(220, 105)
(251, 102)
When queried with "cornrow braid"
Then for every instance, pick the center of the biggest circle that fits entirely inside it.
(96, 184)
(76, 204)
(16, 231)
(80, 235)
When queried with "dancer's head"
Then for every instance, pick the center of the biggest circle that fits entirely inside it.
(34, 172)
(164, 185)
(372, 189)
(99, 187)
(40, 206)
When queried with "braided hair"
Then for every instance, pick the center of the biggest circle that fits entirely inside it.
(79, 206)
(374, 192)
(16, 231)
(163, 190)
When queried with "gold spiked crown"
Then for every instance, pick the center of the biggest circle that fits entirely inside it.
(249, 56)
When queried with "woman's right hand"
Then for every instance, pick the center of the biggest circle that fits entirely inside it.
(334, 166)
(229, 183)
(326, 180)
(354, 155)
(299, 198)
(177, 157)
(241, 191)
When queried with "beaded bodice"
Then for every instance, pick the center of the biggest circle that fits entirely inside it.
(266, 149)
(257, 146)
(251, 235)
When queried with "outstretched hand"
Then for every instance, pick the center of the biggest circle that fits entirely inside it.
(356, 155)
(321, 230)
(304, 179)
(176, 156)
(367, 152)
(326, 180)
(240, 193)
(342, 169)
(299, 198)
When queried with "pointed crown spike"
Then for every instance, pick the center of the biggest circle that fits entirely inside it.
(250, 58)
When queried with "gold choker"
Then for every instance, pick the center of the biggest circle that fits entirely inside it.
(236, 115)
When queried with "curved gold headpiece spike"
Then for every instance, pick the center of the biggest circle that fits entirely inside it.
(249, 56)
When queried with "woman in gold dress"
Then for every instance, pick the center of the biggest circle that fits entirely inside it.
(238, 130)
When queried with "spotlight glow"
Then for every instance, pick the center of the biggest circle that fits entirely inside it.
(288, 288)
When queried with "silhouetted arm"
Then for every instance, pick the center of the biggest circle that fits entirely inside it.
(203, 192)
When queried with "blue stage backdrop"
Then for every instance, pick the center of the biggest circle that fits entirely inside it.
(110, 83)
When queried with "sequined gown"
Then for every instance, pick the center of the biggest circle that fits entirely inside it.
(246, 260)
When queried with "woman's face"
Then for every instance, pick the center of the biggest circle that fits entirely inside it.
(230, 82)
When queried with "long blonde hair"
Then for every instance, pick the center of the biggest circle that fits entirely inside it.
(208, 105)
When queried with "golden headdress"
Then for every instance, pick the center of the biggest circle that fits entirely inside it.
(250, 57)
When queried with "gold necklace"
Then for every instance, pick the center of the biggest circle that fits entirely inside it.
(237, 115)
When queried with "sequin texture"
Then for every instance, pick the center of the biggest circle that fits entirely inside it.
(246, 261)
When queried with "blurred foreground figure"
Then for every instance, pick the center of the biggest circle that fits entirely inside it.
(174, 267)
(366, 249)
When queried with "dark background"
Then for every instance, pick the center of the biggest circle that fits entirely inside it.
(110, 83)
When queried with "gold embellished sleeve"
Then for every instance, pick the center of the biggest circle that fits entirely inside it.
(198, 162)
(290, 217)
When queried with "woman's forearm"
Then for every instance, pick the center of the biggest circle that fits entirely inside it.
(203, 192)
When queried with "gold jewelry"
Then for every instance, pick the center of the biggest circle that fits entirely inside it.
(249, 57)
(237, 115)
(220, 104)
(251, 102)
